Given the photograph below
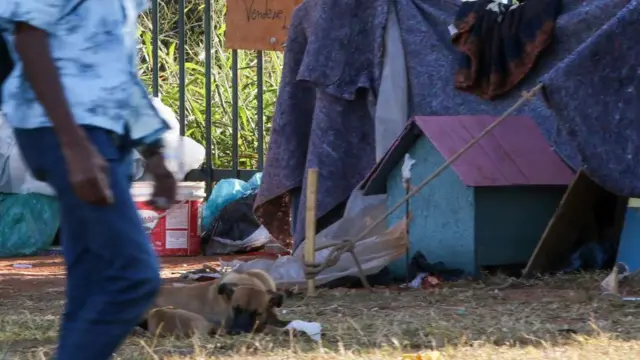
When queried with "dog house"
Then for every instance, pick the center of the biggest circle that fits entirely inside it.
(490, 207)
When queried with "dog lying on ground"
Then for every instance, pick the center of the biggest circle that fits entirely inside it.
(253, 300)
(236, 303)
(177, 323)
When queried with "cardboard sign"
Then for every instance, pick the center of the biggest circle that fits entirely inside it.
(258, 24)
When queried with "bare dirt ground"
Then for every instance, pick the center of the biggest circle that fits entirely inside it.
(563, 317)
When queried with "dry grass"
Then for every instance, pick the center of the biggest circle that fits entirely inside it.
(554, 318)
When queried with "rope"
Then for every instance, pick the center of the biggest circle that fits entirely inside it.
(347, 245)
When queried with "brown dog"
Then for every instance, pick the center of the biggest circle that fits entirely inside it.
(237, 302)
(177, 323)
(253, 299)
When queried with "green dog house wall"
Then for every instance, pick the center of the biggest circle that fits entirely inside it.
(490, 207)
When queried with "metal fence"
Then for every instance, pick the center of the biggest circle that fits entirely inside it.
(211, 175)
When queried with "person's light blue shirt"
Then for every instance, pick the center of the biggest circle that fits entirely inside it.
(94, 47)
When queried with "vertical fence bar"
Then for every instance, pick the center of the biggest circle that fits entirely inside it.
(207, 95)
(181, 65)
(155, 62)
(260, 110)
(235, 115)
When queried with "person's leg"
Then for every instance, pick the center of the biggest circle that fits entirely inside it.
(112, 270)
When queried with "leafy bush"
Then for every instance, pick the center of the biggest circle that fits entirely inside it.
(221, 74)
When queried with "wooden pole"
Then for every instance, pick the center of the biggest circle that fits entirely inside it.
(310, 226)
(407, 214)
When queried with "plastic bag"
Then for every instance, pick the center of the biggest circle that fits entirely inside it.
(223, 193)
(220, 246)
(167, 115)
(234, 229)
(12, 168)
(377, 250)
(182, 154)
(28, 223)
(255, 181)
(138, 165)
(15, 177)
(33, 186)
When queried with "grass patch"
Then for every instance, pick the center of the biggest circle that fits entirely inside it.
(556, 318)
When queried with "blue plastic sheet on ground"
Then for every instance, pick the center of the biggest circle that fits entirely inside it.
(225, 192)
(28, 223)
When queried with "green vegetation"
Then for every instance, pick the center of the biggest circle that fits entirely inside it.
(195, 104)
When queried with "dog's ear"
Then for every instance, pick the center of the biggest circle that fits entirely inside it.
(226, 290)
(275, 299)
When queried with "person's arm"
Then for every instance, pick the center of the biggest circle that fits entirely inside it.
(32, 45)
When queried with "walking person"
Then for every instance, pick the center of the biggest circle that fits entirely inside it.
(78, 110)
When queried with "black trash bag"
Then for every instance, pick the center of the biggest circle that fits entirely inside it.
(420, 264)
(235, 223)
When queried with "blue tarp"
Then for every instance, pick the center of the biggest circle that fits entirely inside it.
(224, 193)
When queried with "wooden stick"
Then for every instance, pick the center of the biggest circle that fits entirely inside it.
(310, 217)
(407, 211)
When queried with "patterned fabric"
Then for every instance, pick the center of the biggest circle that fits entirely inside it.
(500, 41)
(93, 44)
(323, 116)
(599, 113)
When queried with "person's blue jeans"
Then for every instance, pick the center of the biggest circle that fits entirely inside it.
(112, 270)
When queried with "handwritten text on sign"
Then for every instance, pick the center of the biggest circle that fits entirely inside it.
(258, 24)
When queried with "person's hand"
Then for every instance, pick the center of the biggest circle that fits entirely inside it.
(164, 191)
(88, 172)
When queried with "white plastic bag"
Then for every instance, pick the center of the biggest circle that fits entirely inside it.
(12, 169)
(379, 248)
(182, 154)
(15, 177)
(33, 186)
(138, 165)
(167, 115)
(257, 239)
